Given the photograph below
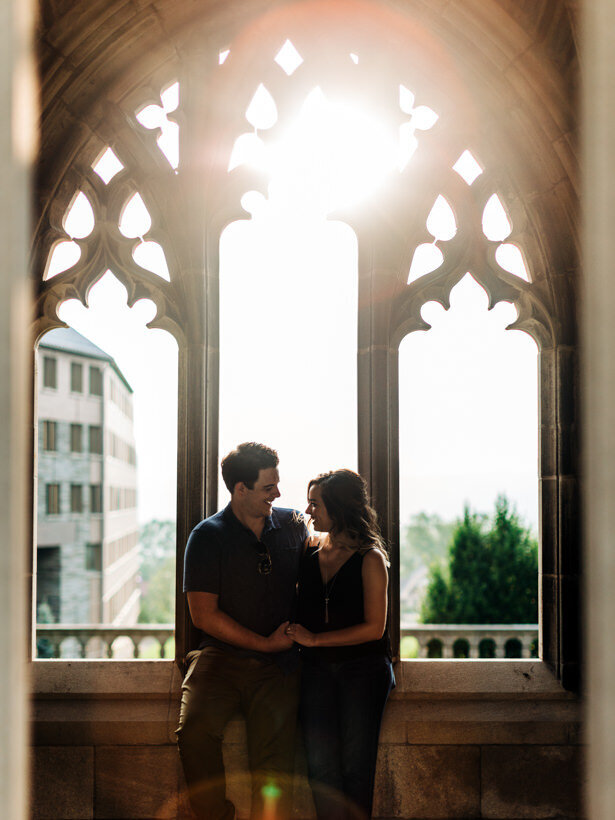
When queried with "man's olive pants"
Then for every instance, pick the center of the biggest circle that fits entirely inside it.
(217, 686)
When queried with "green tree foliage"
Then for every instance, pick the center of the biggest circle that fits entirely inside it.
(157, 570)
(491, 576)
(156, 544)
(424, 541)
(158, 600)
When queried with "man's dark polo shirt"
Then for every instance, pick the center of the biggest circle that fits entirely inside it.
(222, 557)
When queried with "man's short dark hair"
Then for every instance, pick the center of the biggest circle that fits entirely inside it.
(245, 462)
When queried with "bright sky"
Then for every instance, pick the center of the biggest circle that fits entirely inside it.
(468, 410)
(288, 289)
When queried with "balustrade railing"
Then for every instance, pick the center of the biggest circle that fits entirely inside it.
(434, 640)
(101, 640)
(474, 640)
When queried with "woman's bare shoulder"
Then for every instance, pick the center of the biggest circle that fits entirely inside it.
(374, 559)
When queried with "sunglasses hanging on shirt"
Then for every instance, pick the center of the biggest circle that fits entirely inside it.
(264, 560)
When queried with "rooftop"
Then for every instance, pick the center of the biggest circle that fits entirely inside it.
(67, 340)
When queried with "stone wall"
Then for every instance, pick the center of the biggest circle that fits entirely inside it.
(461, 739)
(17, 151)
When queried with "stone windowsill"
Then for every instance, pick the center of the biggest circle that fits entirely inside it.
(467, 678)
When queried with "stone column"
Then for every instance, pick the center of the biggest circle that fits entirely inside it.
(17, 147)
(500, 646)
(447, 649)
(474, 644)
(598, 366)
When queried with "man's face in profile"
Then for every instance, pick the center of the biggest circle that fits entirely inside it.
(258, 501)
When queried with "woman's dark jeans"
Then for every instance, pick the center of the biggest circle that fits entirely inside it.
(341, 710)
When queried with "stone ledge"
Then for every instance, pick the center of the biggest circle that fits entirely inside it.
(112, 720)
(416, 679)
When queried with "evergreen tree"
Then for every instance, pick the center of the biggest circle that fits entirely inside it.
(437, 604)
(515, 568)
(491, 576)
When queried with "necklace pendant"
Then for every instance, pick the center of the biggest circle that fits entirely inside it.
(326, 610)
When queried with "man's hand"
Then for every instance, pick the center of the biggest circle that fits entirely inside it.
(301, 635)
(278, 641)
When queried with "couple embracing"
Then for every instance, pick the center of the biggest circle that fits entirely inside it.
(291, 625)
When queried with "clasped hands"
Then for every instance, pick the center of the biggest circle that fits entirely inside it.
(299, 634)
(287, 634)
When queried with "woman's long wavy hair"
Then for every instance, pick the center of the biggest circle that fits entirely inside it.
(344, 494)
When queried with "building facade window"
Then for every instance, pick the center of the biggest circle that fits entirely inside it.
(48, 584)
(95, 436)
(76, 498)
(76, 438)
(96, 381)
(120, 598)
(50, 430)
(52, 505)
(96, 500)
(120, 546)
(76, 377)
(122, 498)
(93, 557)
(50, 372)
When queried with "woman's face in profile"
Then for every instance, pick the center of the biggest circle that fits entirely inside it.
(317, 511)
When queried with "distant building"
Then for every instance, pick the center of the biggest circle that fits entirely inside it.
(87, 535)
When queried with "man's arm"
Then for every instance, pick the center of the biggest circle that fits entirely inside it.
(206, 616)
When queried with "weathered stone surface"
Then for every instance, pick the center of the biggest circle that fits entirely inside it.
(136, 782)
(150, 678)
(538, 782)
(478, 678)
(487, 30)
(570, 595)
(548, 489)
(549, 615)
(441, 705)
(428, 781)
(566, 148)
(570, 526)
(393, 729)
(104, 722)
(483, 732)
(62, 782)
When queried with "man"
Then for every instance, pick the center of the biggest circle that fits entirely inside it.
(240, 574)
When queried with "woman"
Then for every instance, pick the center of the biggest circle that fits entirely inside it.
(341, 627)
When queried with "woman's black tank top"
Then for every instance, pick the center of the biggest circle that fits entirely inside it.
(344, 608)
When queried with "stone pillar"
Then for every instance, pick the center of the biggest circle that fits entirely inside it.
(447, 649)
(526, 648)
(17, 147)
(598, 370)
(474, 644)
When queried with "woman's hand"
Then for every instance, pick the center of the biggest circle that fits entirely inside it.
(301, 635)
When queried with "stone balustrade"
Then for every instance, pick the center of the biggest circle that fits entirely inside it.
(474, 640)
(100, 640)
(435, 640)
